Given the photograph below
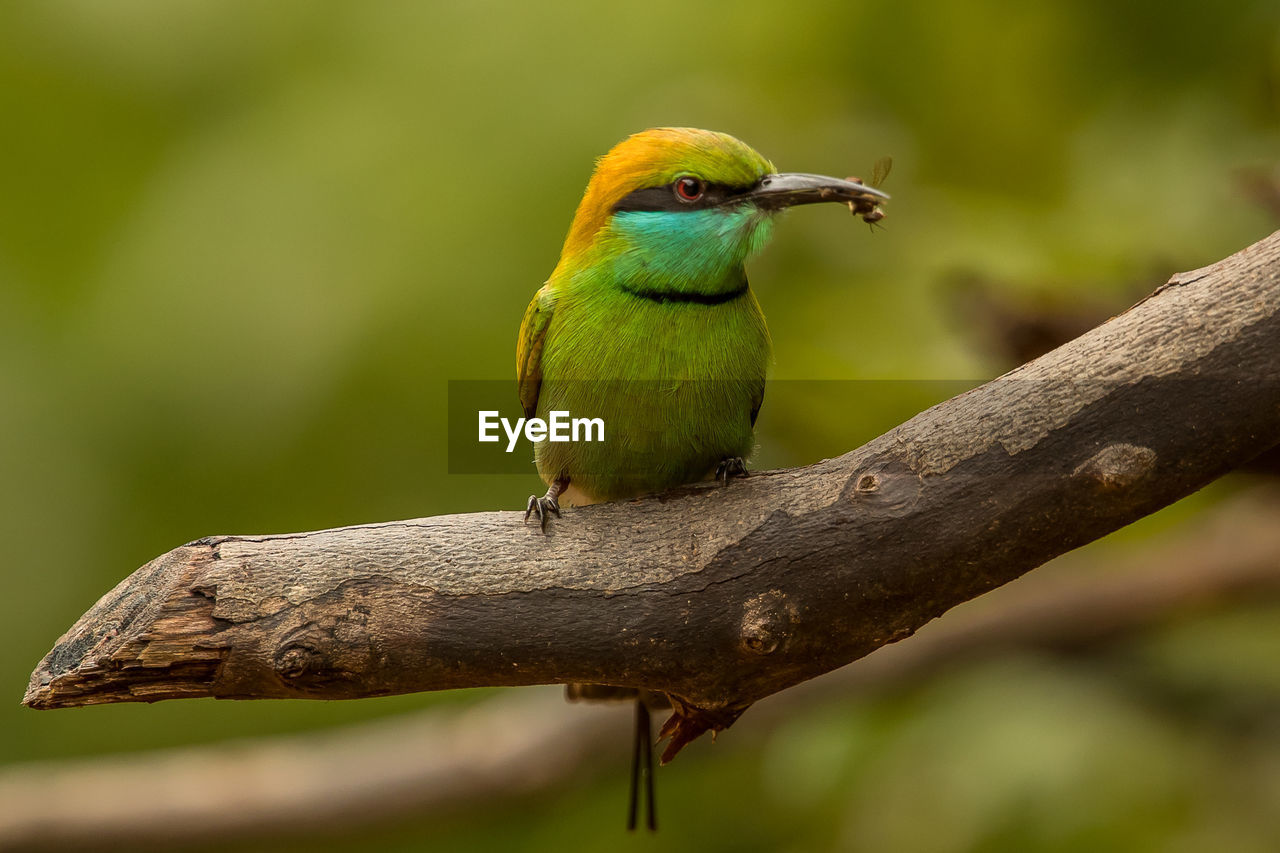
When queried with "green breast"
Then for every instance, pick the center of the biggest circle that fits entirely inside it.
(675, 382)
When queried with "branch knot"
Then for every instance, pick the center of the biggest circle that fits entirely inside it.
(1117, 466)
(766, 622)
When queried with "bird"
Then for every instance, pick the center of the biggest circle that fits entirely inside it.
(649, 324)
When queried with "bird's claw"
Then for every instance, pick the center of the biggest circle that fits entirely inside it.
(544, 507)
(731, 466)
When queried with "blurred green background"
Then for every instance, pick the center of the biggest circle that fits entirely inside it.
(243, 247)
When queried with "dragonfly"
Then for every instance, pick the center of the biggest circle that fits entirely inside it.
(868, 208)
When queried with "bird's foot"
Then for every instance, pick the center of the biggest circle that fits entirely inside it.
(731, 466)
(544, 507)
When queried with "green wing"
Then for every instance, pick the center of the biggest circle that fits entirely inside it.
(533, 334)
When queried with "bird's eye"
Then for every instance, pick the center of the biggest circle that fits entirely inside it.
(689, 189)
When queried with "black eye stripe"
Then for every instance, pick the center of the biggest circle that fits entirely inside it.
(664, 198)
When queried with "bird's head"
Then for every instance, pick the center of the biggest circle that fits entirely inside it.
(679, 210)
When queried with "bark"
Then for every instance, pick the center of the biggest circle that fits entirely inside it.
(519, 743)
(719, 596)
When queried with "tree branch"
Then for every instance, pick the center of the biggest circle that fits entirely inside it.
(719, 596)
(441, 759)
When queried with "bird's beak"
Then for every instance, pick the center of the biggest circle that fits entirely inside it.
(787, 189)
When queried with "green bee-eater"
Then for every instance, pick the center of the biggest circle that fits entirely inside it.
(647, 321)
(648, 324)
